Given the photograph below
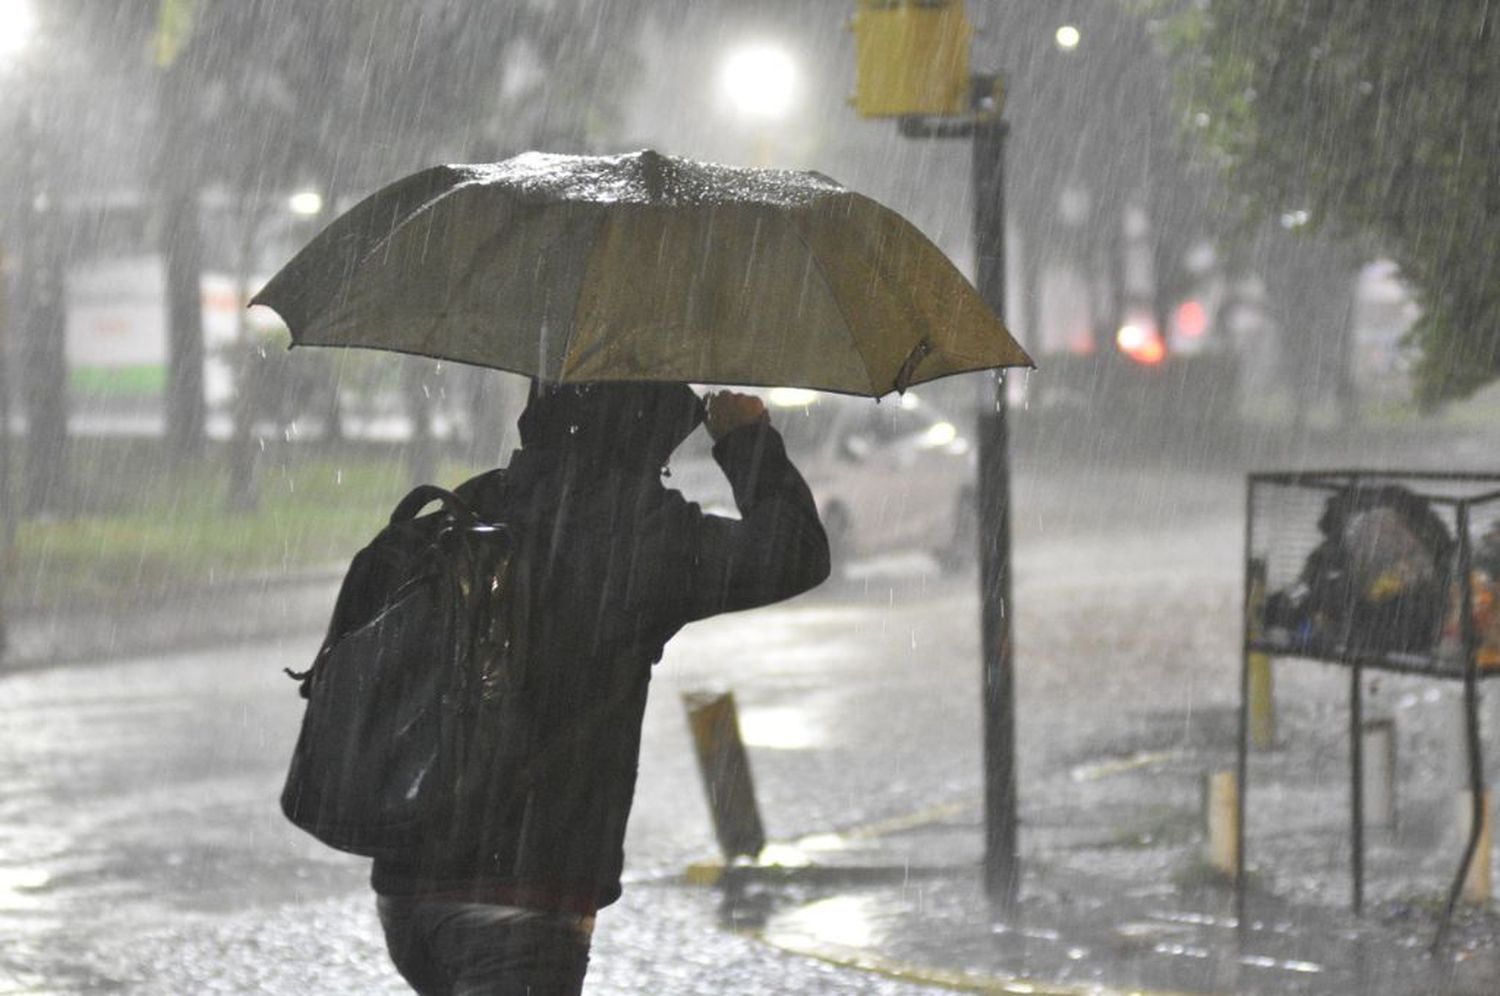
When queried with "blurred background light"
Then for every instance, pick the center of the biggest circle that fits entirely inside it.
(791, 397)
(306, 203)
(17, 25)
(1192, 319)
(1141, 343)
(760, 80)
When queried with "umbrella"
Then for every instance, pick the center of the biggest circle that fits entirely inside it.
(641, 267)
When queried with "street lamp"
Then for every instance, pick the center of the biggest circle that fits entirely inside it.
(760, 82)
(17, 26)
(1067, 37)
(306, 203)
(912, 64)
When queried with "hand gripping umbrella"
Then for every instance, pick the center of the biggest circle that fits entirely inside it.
(641, 267)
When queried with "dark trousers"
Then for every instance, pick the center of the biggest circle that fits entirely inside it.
(445, 948)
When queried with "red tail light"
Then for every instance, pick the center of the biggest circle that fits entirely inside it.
(1142, 344)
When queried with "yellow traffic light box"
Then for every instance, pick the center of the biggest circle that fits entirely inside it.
(912, 58)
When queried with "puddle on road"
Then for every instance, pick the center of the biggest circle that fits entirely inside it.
(852, 921)
(781, 728)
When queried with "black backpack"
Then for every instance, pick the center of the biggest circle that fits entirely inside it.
(415, 720)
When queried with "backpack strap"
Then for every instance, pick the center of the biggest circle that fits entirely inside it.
(425, 494)
(407, 509)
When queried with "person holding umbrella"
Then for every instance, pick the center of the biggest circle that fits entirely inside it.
(622, 564)
(615, 281)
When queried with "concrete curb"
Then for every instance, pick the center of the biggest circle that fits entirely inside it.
(958, 981)
(787, 862)
(707, 873)
(713, 872)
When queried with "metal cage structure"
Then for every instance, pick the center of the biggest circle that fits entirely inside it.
(1290, 518)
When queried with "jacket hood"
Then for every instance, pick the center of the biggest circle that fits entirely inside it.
(629, 424)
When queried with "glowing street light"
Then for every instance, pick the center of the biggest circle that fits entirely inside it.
(306, 203)
(17, 26)
(1067, 37)
(760, 81)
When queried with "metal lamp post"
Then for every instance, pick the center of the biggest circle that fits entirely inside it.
(913, 59)
(1002, 842)
(987, 131)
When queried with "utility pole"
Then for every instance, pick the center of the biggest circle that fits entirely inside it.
(7, 507)
(15, 36)
(176, 190)
(913, 59)
(1002, 852)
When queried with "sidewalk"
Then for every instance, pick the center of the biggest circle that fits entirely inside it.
(290, 604)
(1117, 896)
(1099, 916)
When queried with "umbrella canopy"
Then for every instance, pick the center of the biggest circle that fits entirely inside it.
(641, 267)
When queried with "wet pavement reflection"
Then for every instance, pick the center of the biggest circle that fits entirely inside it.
(141, 848)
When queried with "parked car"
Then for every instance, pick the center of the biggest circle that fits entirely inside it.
(887, 476)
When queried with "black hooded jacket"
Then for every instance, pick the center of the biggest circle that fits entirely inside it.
(619, 564)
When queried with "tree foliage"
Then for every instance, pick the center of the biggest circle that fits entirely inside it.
(1379, 120)
(350, 94)
(1093, 139)
(170, 100)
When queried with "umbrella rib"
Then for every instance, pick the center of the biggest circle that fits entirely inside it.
(882, 269)
(838, 304)
(399, 224)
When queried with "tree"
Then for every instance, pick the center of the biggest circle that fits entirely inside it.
(1376, 122)
(50, 108)
(1093, 129)
(345, 95)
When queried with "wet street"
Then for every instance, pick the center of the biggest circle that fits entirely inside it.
(141, 849)
(1138, 276)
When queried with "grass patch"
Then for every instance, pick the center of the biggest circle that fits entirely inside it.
(142, 380)
(1481, 411)
(139, 527)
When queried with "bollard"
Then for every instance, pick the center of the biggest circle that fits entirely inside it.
(1262, 707)
(1477, 883)
(1220, 799)
(1380, 773)
(1262, 702)
(725, 768)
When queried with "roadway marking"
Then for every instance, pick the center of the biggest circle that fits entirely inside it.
(843, 956)
(910, 821)
(1118, 766)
